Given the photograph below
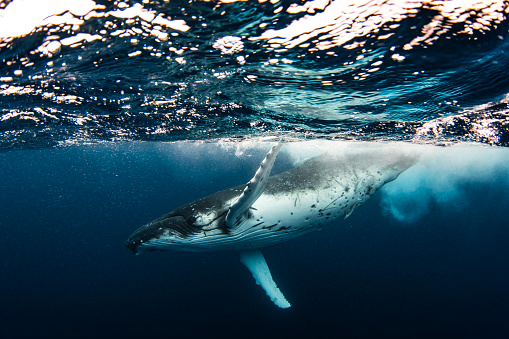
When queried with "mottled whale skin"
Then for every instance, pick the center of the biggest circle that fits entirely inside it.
(295, 202)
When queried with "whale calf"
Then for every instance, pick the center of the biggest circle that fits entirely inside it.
(271, 209)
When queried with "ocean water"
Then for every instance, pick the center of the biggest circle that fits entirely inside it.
(113, 113)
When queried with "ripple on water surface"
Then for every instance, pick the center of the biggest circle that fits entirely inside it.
(153, 70)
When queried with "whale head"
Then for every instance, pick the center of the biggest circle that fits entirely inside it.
(166, 230)
(192, 227)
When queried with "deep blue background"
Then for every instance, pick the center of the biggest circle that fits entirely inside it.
(64, 272)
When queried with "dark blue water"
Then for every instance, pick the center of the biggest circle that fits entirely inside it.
(65, 273)
(95, 142)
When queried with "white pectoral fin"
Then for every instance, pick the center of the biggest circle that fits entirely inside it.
(254, 188)
(255, 262)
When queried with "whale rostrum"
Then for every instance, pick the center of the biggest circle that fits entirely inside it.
(270, 209)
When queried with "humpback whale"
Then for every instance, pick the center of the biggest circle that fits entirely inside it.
(271, 209)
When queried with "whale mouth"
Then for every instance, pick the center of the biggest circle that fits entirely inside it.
(141, 236)
(136, 239)
(132, 245)
(175, 227)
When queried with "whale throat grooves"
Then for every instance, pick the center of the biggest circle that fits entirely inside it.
(255, 262)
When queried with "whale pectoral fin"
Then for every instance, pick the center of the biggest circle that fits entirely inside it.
(253, 190)
(255, 262)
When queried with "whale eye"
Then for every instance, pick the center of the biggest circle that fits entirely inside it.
(191, 220)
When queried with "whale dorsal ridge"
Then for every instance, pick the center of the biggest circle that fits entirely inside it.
(254, 188)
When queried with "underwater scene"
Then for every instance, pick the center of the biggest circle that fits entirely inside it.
(254, 169)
